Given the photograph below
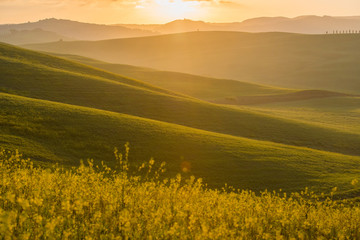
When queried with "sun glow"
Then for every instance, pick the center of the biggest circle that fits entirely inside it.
(177, 8)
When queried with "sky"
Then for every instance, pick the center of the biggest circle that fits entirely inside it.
(162, 11)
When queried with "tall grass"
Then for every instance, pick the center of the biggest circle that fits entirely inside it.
(96, 202)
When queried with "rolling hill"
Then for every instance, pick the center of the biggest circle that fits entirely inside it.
(340, 113)
(205, 88)
(223, 91)
(58, 111)
(41, 76)
(52, 132)
(302, 24)
(326, 62)
(31, 36)
(74, 30)
(299, 95)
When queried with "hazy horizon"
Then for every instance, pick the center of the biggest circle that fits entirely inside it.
(163, 11)
(178, 19)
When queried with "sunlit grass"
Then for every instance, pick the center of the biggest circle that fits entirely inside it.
(50, 132)
(91, 202)
(40, 76)
(278, 59)
(340, 113)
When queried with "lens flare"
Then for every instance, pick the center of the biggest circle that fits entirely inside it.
(185, 166)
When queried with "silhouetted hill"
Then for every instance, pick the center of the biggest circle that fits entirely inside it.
(52, 29)
(301, 24)
(31, 36)
(185, 25)
(328, 62)
(77, 30)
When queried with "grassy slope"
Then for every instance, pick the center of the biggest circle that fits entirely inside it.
(205, 88)
(340, 113)
(28, 74)
(290, 60)
(294, 96)
(214, 90)
(12, 56)
(47, 129)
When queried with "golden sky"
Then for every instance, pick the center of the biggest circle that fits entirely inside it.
(161, 11)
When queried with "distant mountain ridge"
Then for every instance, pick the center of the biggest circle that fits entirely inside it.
(50, 30)
(76, 30)
(36, 35)
(302, 24)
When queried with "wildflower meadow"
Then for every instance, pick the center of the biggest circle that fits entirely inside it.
(96, 202)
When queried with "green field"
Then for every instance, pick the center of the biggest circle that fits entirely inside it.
(59, 80)
(328, 62)
(58, 111)
(340, 113)
(222, 91)
(205, 88)
(54, 132)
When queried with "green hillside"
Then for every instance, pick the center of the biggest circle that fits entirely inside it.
(277, 59)
(294, 96)
(205, 88)
(52, 132)
(58, 111)
(214, 90)
(20, 63)
(41, 76)
(340, 113)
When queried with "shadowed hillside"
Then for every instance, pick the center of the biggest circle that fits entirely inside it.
(215, 90)
(286, 97)
(52, 132)
(340, 113)
(41, 76)
(74, 30)
(289, 60)
(205, 88)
